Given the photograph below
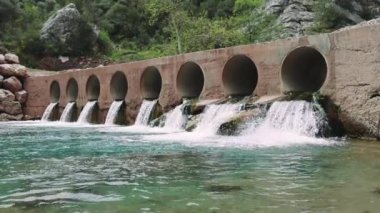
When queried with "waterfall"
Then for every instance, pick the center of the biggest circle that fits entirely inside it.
(175, 119)
(214, 116)
(299, 117)
(113, 112)
(85, 115)
(67, 112)
(49, 109)
(145, 112)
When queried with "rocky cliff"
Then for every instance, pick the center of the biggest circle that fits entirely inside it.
(299, 15)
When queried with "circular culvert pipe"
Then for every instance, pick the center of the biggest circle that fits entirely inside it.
(239, 76)
(303, 70)
(190, 80)
(55, 92)
(72, 90)
(93, 88)
(119, 86)
(151, 83)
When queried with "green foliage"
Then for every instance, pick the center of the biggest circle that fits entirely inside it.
(327, 17)
(8, 11)
(242, 6)
(139, 29)
(105, 43)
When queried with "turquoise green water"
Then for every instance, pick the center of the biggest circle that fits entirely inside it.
(46, 168)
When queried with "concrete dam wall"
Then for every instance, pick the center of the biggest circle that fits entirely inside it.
(344, 65)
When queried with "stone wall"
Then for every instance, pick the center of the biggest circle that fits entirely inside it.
(352, 58)
(12, 93)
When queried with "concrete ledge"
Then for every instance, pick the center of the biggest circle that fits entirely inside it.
(345, 65)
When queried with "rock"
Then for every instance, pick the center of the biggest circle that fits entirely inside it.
(376, 191)
(8, 70)
(21, 96)
(7, 117)
(11, 58)
(238, 123)
(1, 81)
(67, 33)
(2, 59)
(11, 107)
(28, 117)
(298, 15)
(6, 95)
(223, 188)
(12, 84)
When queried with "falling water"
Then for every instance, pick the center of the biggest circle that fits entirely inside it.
(299, 117)
(175, 119)
(84, 116)
(214, 116)
(48, 111)
(145, 112)
(113, 112)
(67, 112)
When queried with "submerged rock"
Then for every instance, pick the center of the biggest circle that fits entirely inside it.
(376, 191)
(239, 122)
(223, 188)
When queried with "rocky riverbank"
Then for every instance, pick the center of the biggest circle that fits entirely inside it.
(12, 93)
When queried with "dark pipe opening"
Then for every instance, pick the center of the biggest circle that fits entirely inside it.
(303, 70)
(151, 83)
(190, 80)
(72, 90)
(239, 76)
(119, 86)
(55, 92)
(93, 88)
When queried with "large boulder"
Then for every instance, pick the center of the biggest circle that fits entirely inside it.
(8, 70)
(65, 32)
(11, 107)
(6, 95)
(11, 58)
(295, 15)
(12, 84)
(21, 96)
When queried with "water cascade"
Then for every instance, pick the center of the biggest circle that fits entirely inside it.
(85, 115)
(48, 111)
(300, 117)
(214, 116)
(145, 112)
(113, 112)
(67, 113)
(175, 119)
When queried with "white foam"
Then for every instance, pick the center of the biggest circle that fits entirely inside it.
(145, 112)
(113, 111)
